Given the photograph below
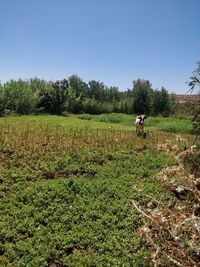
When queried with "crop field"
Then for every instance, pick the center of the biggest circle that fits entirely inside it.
(68, 186)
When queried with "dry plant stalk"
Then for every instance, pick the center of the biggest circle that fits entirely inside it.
(174, 234)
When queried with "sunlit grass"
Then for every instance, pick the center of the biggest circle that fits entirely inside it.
(123, 121)
(67, 185)
(112, 121)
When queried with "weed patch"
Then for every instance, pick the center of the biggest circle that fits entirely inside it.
(67, 192)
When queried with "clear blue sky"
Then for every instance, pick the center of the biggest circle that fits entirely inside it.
(113, 41)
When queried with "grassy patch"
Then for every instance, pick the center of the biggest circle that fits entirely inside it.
(67, 189)
(114, 121)
(171, 124)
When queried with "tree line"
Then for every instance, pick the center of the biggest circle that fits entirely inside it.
(73, 95)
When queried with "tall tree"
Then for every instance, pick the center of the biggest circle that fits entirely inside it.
(78, 85)
(19, 97)
(161, 104)
(52, 98)
(96, 90)
(111, 94)
(143, 96)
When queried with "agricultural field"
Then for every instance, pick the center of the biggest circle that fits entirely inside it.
(70, 187)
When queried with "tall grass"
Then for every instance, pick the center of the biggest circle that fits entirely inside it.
(171, 124)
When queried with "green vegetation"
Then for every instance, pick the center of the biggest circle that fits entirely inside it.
(120, 121)
(110, 121)
(75, 188)
(67, 185)
(194, 160)
(73, 95)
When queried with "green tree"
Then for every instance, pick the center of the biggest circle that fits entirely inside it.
(161, 103)
(37, 84)
(18, 97)
(91, 106)
(111, 94)
(96, 90)
(143, 97)
(78, 85)
(73, 102)
(52, 98)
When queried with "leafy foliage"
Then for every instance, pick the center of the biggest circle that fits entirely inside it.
(195, 79)
(195, 159)
(196, 119)
(17, 97)
(66, 193)
(142, 93)
(162, 102)
(75, 96)
(52, 98)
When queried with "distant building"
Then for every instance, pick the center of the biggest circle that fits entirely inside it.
(186, 98)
